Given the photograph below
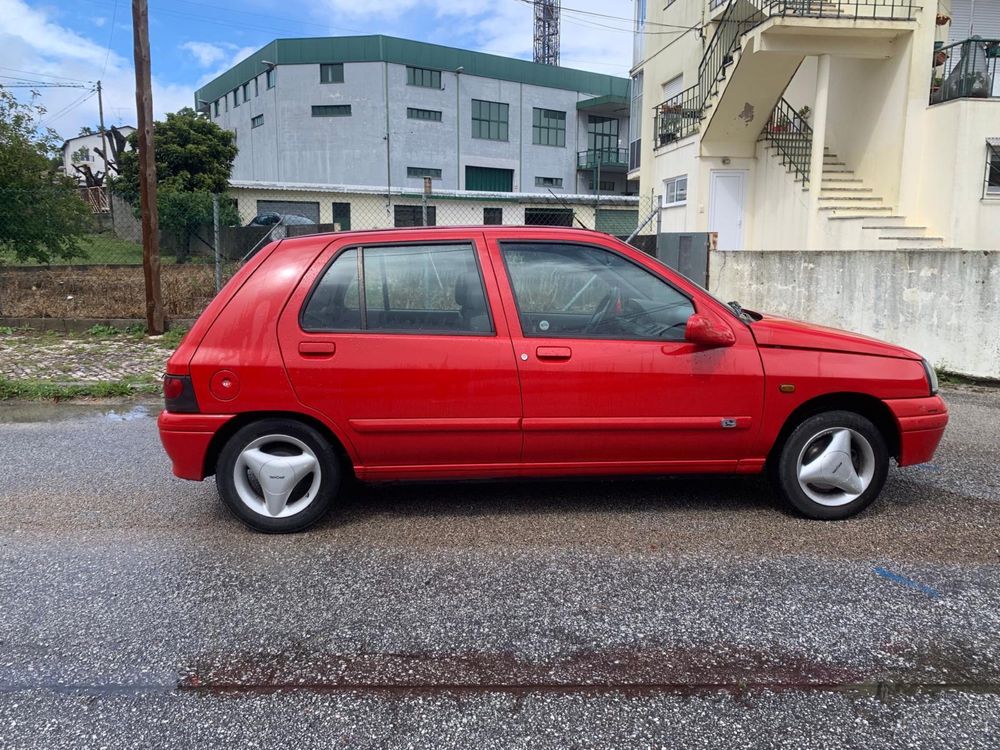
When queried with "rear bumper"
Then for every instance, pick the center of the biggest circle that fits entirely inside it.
(921, 423)
(186, 438)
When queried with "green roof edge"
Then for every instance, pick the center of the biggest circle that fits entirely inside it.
(380, 48)
(599, 101)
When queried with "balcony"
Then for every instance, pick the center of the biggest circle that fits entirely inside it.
(678, 117)
(609, 159)
(966, 70)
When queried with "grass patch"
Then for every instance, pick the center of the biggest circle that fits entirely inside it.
(952, 378)
(41, 390)
(172, 338)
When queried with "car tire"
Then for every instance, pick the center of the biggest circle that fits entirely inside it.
(278, 475)
(832, 466)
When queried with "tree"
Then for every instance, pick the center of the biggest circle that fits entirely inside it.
(87, 130)
(42, 217)
(194, 159)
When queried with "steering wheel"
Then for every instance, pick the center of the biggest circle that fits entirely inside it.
(602, 310)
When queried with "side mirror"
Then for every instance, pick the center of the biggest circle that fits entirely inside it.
(704, 331)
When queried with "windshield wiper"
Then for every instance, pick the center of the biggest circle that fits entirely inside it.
(740, 312)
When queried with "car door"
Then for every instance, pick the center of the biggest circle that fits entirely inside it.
(607, 379)
(398, 343)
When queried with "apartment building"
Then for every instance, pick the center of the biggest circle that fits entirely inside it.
(820, 124)
(370, 114)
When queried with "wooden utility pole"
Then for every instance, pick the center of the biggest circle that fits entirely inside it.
(155, 323)
(104, 151)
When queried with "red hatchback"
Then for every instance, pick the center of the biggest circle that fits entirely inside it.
(478, 352)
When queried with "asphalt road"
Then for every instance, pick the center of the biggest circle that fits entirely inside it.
(691, 612)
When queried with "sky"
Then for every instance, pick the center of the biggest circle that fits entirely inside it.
(192, 41)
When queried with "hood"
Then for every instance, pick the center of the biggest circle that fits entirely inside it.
(795, 334)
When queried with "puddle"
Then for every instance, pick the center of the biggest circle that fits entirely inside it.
(111, 410)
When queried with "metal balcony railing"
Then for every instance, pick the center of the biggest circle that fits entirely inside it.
(606, 157)
(681, 115)
(791, 136)
(966, 69)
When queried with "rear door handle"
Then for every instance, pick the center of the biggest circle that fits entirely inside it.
(317, 349)
(553, 352)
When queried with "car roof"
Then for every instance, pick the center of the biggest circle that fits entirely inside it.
(505, 230)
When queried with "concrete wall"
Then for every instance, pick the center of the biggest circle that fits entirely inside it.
(943, 304)
(293, 146)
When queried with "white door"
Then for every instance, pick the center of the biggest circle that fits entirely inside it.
(725, 207)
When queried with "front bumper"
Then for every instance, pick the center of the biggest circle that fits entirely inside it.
(186, 439)
(921, 423)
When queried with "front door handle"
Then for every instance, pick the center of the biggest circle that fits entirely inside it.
(317, 349)
(554, 352)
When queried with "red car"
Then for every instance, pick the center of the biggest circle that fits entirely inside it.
(480, 352)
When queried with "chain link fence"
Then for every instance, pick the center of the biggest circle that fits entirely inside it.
(205, 238)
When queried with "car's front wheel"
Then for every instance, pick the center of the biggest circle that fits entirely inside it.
(278, 475)
(832, 466)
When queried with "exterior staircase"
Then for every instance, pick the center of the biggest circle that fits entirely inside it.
(858, 217)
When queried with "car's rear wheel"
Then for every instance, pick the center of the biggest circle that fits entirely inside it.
(832, 466)
(278, 475)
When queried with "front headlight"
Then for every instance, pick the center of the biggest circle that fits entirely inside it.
(931, 376)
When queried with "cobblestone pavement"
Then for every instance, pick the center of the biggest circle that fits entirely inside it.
(82, 359)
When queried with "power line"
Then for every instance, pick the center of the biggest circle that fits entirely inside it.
(44, 75)
(630, 21)
(67, 109)
(111, 36)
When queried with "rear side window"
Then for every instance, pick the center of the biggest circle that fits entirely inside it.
(401, 289)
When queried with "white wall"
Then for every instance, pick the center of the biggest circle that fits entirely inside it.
(944, 305)
(953, 169)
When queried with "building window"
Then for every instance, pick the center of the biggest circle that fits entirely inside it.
(256, 86)
(606, 186)
(257, 121)
(331, 110)
(548, 127)
(549, 182)
(246, 91)
(216, 107)
(342, 215)
(549, 217)
(675, 191)
(602, 137)
(331, 73)
(636, 114)
(431, 115)
(993, 167)
(434, 174)
(492, 215)
(270, 76)
(236, 97)
(429, 79)
(413, 216)
(489, 179)
(489, 120)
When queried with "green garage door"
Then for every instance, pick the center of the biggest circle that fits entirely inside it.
(489, 180)
(620, 223)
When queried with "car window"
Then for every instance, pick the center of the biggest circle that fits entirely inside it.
(407, 288)
(333, 304)
(581, 291)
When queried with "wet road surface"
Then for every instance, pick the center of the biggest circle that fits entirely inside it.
(135, 612)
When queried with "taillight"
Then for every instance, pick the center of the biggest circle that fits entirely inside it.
(178, 394)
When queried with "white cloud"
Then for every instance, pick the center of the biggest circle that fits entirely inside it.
(206, 53)
(38, 44)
